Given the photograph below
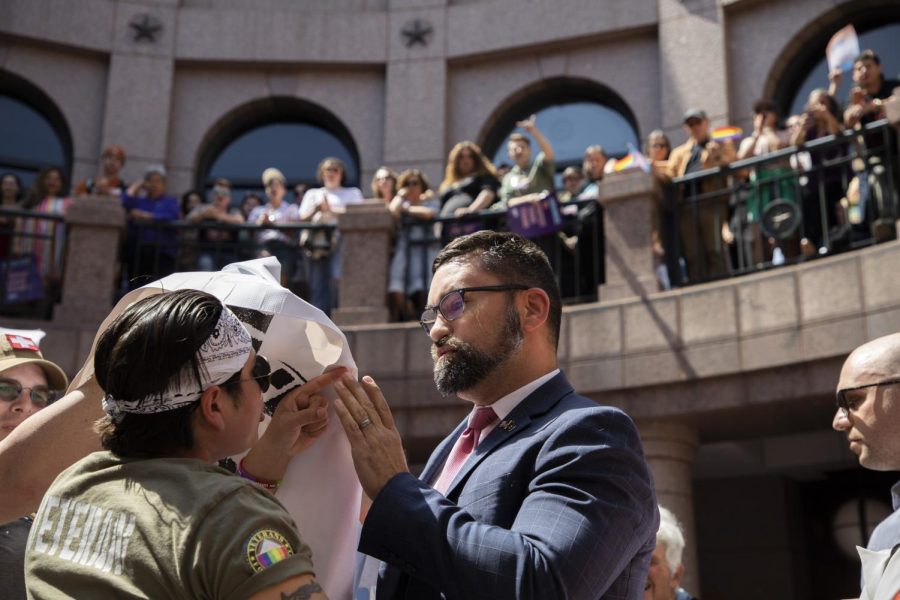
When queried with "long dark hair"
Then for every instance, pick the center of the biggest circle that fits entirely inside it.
(18, 183)
(38, 189)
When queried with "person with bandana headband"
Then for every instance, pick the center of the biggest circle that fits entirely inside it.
(153, 516)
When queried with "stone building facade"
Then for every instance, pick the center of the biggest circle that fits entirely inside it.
(730, 382)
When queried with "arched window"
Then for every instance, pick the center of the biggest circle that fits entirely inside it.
(804, 64)
(35, 134)
(572, 115)
(287, 133)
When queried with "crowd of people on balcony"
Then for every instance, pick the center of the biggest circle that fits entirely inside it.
(702, 222)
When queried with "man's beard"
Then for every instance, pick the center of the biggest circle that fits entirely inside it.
(467, 366)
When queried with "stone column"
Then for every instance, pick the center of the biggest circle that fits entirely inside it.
(416, 87)
(692, 62)
(670, 448)
(366, 229)
(94, 227)
(629, 200)
(139, 86)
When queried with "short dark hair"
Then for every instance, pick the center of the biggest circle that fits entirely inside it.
(868, 54)
(764, 106)
(518, 137)
(513, 259)
(153, 342)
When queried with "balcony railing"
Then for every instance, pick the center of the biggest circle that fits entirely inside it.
(829, 195)
(32, 257)
(826, 196)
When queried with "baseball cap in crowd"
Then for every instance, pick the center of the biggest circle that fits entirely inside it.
(158, 169)
(694, 113)
(19, 349)
(272, 173)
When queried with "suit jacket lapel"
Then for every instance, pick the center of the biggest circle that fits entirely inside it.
(535, 404)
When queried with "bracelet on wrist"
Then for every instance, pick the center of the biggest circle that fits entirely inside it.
(270, 485)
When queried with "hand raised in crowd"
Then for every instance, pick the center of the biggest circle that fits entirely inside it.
(759, 122)
(528, 124)
(835, 75)
(136, 188)
(715, 150)
(375, 443)
(834, 80)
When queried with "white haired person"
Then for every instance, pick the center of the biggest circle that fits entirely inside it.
(666, 569)
(153, 516)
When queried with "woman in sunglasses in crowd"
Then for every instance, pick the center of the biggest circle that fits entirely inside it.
(153, 516)
(410, 272)
(28, 383)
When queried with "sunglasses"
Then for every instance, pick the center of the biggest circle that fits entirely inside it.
(332, 169)
(261, 373)
(452, 305)
(41, 395)
(846, 404)
(413, 182)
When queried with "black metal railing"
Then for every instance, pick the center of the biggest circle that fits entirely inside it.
(576, 251)
(154, 250)
(825, 196)
(32, 262)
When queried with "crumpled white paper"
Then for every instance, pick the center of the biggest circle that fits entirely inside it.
(881, 574)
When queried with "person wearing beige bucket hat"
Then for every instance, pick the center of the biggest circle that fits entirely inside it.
(28, 382)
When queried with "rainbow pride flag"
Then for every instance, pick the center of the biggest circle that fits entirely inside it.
(625, 163)
(633, 160)
(728, 132)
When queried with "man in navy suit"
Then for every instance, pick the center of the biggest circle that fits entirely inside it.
(554, 501)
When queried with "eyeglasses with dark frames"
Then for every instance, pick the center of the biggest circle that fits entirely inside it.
(846, 404)
(452, 305)
(11, 390)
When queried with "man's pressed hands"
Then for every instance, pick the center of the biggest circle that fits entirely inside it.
(374, 440)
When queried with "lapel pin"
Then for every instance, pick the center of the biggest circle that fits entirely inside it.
(507, 425)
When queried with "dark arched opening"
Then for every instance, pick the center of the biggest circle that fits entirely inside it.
(802, 65)
(572, 114)
(35, 132)
(288, 133)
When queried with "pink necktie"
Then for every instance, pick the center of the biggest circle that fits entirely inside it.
(482, 417)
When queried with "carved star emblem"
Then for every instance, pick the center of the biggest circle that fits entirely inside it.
(417, 31)
(145, 27)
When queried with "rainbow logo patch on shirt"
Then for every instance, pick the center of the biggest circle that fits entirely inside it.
(265, 548)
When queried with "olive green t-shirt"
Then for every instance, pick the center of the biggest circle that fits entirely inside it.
(110, 527)
(519, 182)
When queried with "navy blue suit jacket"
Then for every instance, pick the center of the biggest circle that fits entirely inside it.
(559, 503)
